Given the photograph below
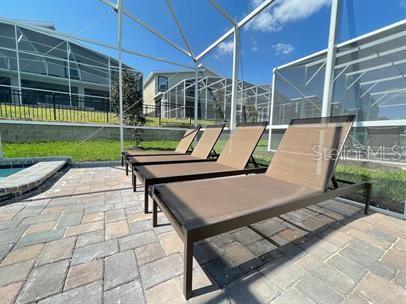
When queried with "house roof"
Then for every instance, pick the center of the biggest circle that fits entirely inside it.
(45, 24)
(152, 74)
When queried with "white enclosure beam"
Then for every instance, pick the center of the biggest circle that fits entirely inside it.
(377, 67)
(307, 98)
(225, 101)
(315, 73)
(380, 98)
(270, 113)
(255, 12)
(222, 12)
(18, 65)
(216, 82)
(120, 70)
(361, 124)
(268, 103)
(245, 20)
(402, 76)
(369, 89)
(184, 98)
(111, 4)
(340, 73)
(402, 105)
(98, 125)
(156, 33)
(68, 67)
(157, 59)
(196, 112)
(182, 33)
(148, 28)
(214, 44)
(355, 81)
(392, 97)
(330, 61)
(387, 91)
(348, 45)
(233, 112)
(72, 38)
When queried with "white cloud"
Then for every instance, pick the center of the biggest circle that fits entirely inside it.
(284, 11)
(226, 48)
(283, 48)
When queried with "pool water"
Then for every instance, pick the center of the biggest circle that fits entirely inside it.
(6, 172)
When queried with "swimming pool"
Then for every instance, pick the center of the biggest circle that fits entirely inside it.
(8, 171)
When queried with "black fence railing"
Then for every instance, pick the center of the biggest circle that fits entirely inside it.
(61, 107)
(47, 106)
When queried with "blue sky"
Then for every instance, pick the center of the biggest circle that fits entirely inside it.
(290, 29)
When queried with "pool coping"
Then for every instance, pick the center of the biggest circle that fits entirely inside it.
(22, 162)
(30, 178)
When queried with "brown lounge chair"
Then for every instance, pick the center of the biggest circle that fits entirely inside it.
(233, 160)
(203, 151)
(296, 178)
(182, 148)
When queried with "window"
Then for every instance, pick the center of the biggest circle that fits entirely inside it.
(162, 83)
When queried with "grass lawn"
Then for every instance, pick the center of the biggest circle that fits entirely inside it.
(100, 149)
(80, 116)
(80, 150)
(388, 186)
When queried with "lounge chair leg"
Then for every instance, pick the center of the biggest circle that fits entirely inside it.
(126, 168)
(122, 160)
(188, 267)
(146, 198)
(134, 180)
(367, 196)
(154, 213)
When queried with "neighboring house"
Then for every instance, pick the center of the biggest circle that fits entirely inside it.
(36, 60)
(214, 99)
(159, 82)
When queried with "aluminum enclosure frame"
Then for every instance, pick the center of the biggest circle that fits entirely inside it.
(236, 25)
(330, 78)
(118, 8)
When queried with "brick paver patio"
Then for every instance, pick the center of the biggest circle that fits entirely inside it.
(86, 240)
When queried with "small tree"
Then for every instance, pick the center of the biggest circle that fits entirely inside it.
(218, 103)
(252, 112)
(133, 114)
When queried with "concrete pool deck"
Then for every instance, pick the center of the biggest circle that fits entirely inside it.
(86, 240)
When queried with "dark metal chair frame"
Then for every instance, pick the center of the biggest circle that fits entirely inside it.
(125, 155)
(150, 182)
(192, 234)
(131, 161)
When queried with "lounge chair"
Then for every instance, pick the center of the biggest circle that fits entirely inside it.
(297, 177)
(235, 159)
(182, 148)
(203, 151)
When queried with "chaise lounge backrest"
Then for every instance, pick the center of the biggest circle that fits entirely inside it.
(207, 141)
(309, 151)
(187, 140)
(241, 145)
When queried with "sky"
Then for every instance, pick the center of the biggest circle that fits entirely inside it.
(288, 30)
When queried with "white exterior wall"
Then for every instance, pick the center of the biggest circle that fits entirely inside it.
(149, 92)
(151, 87)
